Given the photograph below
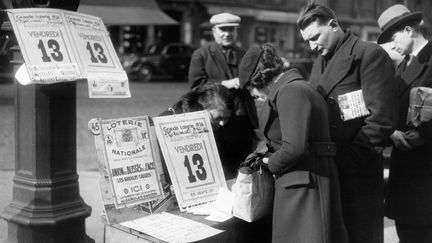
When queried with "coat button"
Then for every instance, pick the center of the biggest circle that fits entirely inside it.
(330, 148)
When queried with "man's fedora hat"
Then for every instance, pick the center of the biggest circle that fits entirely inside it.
(392, 18)
(225, 19)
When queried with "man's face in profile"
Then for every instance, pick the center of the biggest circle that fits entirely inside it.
(225, 35)
(321, 37)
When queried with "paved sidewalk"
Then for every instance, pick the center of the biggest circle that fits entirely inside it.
(90, 193)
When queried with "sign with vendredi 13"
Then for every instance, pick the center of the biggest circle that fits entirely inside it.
(189, 148)
(59, 45)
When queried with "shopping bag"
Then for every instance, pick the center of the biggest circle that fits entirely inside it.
(420, 106)
(253, 190)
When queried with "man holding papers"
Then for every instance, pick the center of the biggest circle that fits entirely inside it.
(345, 65)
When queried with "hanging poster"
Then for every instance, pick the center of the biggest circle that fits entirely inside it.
(60, 45)
(189, 148)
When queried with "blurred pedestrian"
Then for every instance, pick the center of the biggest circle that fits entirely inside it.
(346, 64)
(409, 199)
(217, 62)
(300, 154)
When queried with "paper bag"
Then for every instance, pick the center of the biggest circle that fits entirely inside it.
(253, 193)
(420, 106)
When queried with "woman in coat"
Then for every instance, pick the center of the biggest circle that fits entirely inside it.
(300, 155)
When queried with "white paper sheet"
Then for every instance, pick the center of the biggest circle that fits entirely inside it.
(172, 228)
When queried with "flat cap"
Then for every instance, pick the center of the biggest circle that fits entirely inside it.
(225, 19)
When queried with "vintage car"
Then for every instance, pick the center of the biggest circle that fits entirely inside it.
(163, 61)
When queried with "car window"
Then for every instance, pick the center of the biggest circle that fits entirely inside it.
(172, 50)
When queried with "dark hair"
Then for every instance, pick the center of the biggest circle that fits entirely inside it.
(207, 96)
(314, 12)
(269, 66)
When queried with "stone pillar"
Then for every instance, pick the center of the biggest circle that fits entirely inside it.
(46, 205)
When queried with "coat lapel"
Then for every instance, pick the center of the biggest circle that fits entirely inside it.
(219, 60)
(336, 69)
(416, 68)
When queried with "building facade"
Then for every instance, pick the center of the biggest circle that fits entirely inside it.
(275, 20)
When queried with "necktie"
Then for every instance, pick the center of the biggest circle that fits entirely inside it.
(229, 56)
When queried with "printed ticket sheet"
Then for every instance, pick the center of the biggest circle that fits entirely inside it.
(172, 228)
(129, 160)
(189, 148)
(352, 105)
(59, 45)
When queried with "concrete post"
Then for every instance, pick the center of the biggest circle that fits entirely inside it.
(46, 205)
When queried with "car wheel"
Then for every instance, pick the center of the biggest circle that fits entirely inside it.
(145, 73)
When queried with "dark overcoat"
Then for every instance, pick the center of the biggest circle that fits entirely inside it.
(357, 65)
(306, 203)
(409, 198)
(235, 140)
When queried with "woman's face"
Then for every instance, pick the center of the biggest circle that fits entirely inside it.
(219, 116)
(259, 94)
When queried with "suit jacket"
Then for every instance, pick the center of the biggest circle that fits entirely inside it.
(208, 64)
(409, 196)
(306, 203)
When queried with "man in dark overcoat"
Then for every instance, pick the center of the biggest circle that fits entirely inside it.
(218, 62)
(409, 198)
(347, 64)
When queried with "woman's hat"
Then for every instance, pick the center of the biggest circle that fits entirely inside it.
(392, 18)
(248, 64)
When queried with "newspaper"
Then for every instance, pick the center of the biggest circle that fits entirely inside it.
(352, 105)
(172, 228)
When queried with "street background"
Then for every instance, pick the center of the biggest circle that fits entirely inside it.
(147, 99)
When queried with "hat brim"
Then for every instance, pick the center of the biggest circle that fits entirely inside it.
(227, 25)
(388, 32)
(248, 64)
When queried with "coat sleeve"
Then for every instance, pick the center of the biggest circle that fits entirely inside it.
(197, 73)
(380, 94)
(293, 107)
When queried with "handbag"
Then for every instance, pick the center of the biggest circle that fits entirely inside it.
(253, 189)
(420, 106)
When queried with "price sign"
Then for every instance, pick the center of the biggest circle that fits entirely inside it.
(44, 42)
(191, 155)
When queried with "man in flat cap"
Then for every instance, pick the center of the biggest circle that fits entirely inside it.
(409, 199)
(218, 61)
(346, 64)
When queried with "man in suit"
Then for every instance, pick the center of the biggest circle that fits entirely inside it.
(409, 199)
(347, 64)
(218, 61)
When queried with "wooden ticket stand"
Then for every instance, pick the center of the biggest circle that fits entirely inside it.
(46, 205)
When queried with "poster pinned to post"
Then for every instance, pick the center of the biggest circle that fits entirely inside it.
(105, 75)
(189, 148)
(45, 45)
(60, 46)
